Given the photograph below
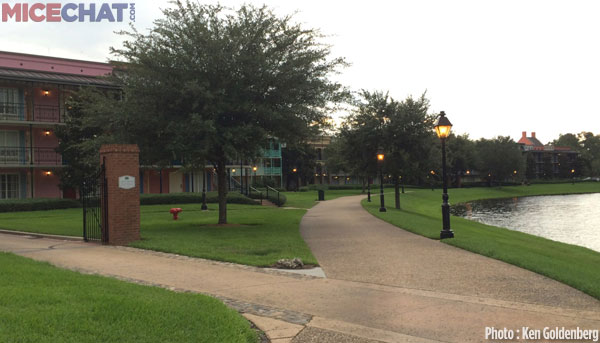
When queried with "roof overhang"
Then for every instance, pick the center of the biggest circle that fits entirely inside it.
(54, 78)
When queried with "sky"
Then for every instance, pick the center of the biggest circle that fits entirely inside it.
(495, 67)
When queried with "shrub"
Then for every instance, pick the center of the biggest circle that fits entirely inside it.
(38, 204)
(279, 201)
(340, 187)
(192, 198)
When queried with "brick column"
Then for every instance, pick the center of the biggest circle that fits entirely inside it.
(123, 204)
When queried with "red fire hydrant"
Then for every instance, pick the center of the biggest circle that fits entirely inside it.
(175, 212)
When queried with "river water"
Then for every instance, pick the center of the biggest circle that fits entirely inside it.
(573, 219)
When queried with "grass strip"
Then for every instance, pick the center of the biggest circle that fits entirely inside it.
(421, 214)
(256, 235)
(41, 303)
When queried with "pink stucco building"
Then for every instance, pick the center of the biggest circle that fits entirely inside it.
(33, 90)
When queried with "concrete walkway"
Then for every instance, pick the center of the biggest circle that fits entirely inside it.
(383, 284)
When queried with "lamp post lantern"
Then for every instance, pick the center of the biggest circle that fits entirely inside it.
(380, 158)
(254, 169)
(442, 128)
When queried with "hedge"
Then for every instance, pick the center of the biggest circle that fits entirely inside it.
(340, 187)
(192, 198)
(37, 204)
(44, 204)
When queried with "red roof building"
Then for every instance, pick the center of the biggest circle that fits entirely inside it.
(547, 161)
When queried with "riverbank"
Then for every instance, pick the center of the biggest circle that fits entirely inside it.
(421, 214)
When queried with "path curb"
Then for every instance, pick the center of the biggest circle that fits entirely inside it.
(42, 235)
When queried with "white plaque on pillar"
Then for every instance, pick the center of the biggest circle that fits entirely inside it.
(126, 182)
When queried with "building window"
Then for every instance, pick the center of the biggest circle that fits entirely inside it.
(276, 163)
(9, 186)
(9, 103)
(9, 146)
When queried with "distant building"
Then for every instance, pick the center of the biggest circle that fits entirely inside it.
(33, 93)
(33, 90)
(547, 161)
(322, 176)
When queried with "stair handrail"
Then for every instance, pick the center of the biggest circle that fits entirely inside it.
(276, 191)
(259, 192)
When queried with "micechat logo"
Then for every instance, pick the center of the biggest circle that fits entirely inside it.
(21, 12)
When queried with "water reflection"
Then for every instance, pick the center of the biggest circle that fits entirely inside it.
(570, 219)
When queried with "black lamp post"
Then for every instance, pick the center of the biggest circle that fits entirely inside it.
(442, 128)
(297, 177)
(204, 207)
(231, 179)
(241, 177)
(380, 157)
(368, 189)
(254, 169)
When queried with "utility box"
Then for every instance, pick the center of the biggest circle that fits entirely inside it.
(321, 195)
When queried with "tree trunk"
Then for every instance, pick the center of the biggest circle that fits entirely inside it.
(160, 178)
(397, 192)
(222, 188)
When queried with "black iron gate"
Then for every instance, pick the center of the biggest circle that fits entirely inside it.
(94, 198)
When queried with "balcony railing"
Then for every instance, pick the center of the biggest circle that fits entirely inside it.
(271, 153)
(27, 156)
(271, 171)
(40, 113)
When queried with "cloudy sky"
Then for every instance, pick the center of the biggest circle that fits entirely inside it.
(495, 67)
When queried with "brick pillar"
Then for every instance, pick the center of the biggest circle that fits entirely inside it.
(123, 200)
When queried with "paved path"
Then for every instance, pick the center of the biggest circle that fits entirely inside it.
(383, 285)
(351, 244)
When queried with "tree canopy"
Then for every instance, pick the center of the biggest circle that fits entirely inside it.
(499, 158)
(401, 129)
(209, 84)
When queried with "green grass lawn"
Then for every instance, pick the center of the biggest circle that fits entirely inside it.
(570, 264)
(257, 235)
(309, 198)
(42, 303)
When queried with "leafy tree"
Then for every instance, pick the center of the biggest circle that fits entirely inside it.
(302, 157)
(212, 84)
(335, 161)
(362, 133)
(408, 133)
(587, 146)
(402, 129)
(590, 152)
(564, 166)
(81, 137)
(499, 158)
(568, 140)
(462, 156)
